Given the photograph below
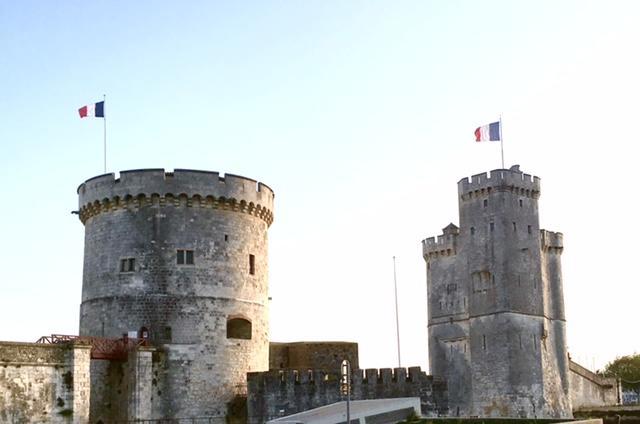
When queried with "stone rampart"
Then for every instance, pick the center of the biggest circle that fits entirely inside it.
(205, 189)
(44, 383)
(589, 389)
(276, 393)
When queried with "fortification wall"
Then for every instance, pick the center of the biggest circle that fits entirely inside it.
(591, 390)
(274, 393)
(44, 383)
(183, 257)
(326, 356)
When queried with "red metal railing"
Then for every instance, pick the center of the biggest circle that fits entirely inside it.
(101, 348)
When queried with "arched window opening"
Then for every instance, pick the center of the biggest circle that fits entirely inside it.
(238, 328)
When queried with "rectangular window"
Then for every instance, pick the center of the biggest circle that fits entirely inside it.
(485, 202)
(491, 226)
(127, 265)
(529, 228)
(514, 226)
(252, 264)
(184, 257)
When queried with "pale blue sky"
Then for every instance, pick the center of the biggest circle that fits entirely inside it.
(359, 114)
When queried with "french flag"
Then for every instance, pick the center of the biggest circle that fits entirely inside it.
(93, 110)
(489, 132)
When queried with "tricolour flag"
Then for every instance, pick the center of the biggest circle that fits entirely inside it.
(94, 110)
(489, 132)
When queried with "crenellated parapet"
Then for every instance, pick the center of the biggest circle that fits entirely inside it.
(183, 187)
(276, 393)
(443, 245)
(512, 179)
(551, 241)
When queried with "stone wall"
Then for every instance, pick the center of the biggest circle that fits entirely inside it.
(276, 393)
(326, 356)
(183, 257)
(44, 383)
(496, 311)
(591, 390)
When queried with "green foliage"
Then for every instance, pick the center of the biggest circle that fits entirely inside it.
(626, 368)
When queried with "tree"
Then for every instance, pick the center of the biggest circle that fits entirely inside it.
(627, 369)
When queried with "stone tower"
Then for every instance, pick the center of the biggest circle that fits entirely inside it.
(496, 310)
(181, 258)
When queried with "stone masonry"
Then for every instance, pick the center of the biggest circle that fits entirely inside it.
(495, 303)
(279, 393)
(44, 383)
(179, 258)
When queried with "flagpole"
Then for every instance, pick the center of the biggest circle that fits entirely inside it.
(104, 119)
(501, 142)
(395, 286)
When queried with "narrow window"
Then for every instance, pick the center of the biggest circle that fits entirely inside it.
(514, 226)
(485, 202)
(473, 231)
(252, 264)
(167, 334)
(520, 202)
(226, 237)
(132, 263)
(520, 340)
(189, 257)
(239, 328)
(440, 305)
(535, 347)
(529, 229)
(484, 342)
(180, 257)
(491, 226)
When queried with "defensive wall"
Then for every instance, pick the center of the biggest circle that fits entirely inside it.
(589, 389)
(44, 383)
(279, 393)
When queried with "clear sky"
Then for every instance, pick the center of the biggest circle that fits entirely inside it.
(359, 114)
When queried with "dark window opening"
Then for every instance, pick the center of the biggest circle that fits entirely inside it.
(529, 229)
(127, 265)
(226, 237)
(239, 328)
(252, 264)
(485, 202)
(520, 202)
(184, 257)
(167, 334)
(473, 231)
(514, 226)
(143, 333)
(484, 342)
(491, 226)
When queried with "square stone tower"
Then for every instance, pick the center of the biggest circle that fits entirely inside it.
(496, 309)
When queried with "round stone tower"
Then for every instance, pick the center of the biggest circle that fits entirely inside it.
(181, 259)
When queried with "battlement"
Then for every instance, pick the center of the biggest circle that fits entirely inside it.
(276, 393)
(550, 240)
(359, 377)
(443, 245)
(195, 188)
(500, 179)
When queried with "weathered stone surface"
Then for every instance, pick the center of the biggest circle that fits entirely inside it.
(148, 216)
(327, 356)
(590, 390)
(495, 303)
(278, 393)
(44, 383)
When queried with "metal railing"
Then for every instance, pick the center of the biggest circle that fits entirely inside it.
(101, 348)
